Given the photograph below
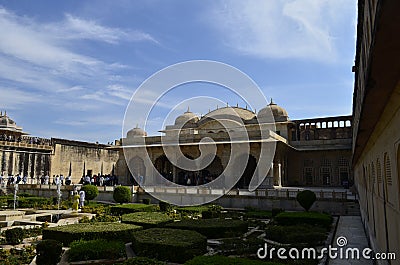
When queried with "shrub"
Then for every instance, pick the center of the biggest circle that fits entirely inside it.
(164, 206)
(48, 252)
(146, 219)
(14, 236)
(146, 201)
(141, 261)
(96, 249)
(131, 208)
(310, 218)
(122, 194)
(170, 244)
(91, 192)
(310, 235)
(306, 199)
(221, 260)
(17, 256)
(89, 231)
(276, 211)
(212, 228)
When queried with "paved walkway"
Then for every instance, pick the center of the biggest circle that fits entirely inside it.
(352, 229)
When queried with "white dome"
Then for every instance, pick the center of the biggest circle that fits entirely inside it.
(279, 113)
(187, 117)
(136, 132)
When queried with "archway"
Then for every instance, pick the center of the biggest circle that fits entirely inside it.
(164, 167)
(212, 171)
(247, 175)
(138, 169)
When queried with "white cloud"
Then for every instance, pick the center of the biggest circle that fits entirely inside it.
(11, 98)
(283, 28)
(88, 29)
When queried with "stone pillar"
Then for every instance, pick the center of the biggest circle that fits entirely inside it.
(173, 174)
(279, 175)
(6, 157)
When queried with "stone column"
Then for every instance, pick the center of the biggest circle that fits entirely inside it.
(279, 175)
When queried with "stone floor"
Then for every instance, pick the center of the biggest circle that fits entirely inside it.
(352, 229)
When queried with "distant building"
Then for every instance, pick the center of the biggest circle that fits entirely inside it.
(376, 126)
(35, 157)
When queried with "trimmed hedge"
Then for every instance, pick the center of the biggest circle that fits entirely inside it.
(141, 261)
(298, 234)
(193, 209)
(258, 214)
(132, 208)
(30, 202)
(122, 194)
(171, 245)
(212, 228)
(89, 231)
(309, 218)
(48, 252)
(146, 219)
(221, 260)
(96, 249)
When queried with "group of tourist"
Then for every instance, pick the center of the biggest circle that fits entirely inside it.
(99, 180)
(24, 139)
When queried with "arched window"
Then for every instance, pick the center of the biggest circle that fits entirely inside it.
(325, 171)
(343, 166)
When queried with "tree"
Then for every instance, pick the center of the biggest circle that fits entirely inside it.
(306, 199)
(122, 194)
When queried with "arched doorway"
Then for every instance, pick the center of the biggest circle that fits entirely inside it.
(164, 167)
(138, 169)
(212, 171)
(245, 179)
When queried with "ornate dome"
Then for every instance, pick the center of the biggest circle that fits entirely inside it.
(279, 113)
(187, 117)
(231, 113)
(7, 122)
(136, 132)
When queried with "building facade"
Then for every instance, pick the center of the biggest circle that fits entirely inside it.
(34, 157)
(376, 113)
(310, 152)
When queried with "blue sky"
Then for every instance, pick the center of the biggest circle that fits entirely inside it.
(69, 68)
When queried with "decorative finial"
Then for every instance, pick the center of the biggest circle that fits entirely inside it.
(5, 113)
(272, 102)
(227, 104)
(217, 106)
(209, 110)
(137, 125)
(237, 105)
(255, 110)
(188, 110)
(246, 106)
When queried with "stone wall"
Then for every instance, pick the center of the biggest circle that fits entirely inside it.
(79, 158)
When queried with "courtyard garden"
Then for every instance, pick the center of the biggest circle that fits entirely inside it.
(144, 233)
